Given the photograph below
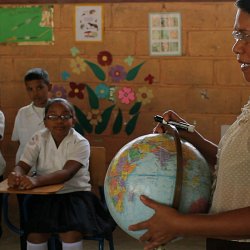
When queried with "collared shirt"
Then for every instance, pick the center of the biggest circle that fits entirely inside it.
(27, 122)
(42, 152)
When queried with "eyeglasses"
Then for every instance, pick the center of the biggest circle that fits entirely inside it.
(56, 117)
(238, 35)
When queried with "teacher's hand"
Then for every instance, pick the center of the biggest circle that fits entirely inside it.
(161, 227)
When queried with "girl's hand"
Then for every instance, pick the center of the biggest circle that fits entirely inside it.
(161, 227)
(27, 182)
(14, 180)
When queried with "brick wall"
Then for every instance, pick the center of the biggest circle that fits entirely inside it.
(204, 85)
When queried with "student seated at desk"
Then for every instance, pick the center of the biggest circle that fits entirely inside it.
(29, 119)
(61, 155)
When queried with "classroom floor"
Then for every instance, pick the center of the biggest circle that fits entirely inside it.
(122, 241)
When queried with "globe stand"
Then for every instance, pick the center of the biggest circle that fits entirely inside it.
(170, 129)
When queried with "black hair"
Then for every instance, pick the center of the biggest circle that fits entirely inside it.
(37, 74)
(60, 100)
(243, 5)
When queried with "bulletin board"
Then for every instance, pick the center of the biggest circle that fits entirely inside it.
(26, 24)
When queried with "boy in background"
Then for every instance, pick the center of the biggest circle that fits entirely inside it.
(29, 119)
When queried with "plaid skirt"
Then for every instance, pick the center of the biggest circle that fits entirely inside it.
(77, 211)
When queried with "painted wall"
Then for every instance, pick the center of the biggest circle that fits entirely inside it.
(204, 85)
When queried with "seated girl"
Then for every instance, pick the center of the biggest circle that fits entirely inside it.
(60, 155)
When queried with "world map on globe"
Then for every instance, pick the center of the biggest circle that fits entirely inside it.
(147, 165)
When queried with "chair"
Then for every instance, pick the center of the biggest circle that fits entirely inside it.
(97, 168)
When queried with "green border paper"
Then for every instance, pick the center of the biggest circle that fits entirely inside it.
(26, 25)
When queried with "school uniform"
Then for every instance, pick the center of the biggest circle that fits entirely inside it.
(74, 207)
(29, 119)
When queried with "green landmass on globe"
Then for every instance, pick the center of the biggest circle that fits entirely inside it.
(147, 165)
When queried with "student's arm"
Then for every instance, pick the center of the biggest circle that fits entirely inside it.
(14, 177)
(70, 169)
(167, 224)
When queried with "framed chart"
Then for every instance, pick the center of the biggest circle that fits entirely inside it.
(165, 34)
(88, 23)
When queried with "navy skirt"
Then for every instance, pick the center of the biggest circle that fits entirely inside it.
(58, 213)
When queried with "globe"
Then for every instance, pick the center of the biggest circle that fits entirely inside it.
(148, 165)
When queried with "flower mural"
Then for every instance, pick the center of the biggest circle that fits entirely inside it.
(104, 58)
(117, 73)
(102, 91)
(126, 95)
(149, 79)
(58, 92)
(94, 116)
(129, 60)
(111, 89)
(76, 90)
(144, 95)
(78, 65)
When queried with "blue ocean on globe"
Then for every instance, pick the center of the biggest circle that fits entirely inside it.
(147, 165)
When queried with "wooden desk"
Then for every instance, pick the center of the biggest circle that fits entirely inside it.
(4, 188)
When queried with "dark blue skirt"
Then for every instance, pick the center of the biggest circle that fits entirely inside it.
(58, 213)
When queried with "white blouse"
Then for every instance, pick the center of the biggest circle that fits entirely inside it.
(27, 122)
(232, 183)
(41, 152)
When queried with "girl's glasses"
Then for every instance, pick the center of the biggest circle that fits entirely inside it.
(56, 117)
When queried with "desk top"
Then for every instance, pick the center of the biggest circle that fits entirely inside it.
(4, 188)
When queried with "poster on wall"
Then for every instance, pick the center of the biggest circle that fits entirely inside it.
(88, 23)
(27, 25)
(165, 34)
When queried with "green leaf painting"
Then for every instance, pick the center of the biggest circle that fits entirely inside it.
(83, 121)
(79, 128)
(135, 108)
(100, 127)
(131, 124)
(117, 126)
(93, 98)
(98, 72)
(133, 72)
